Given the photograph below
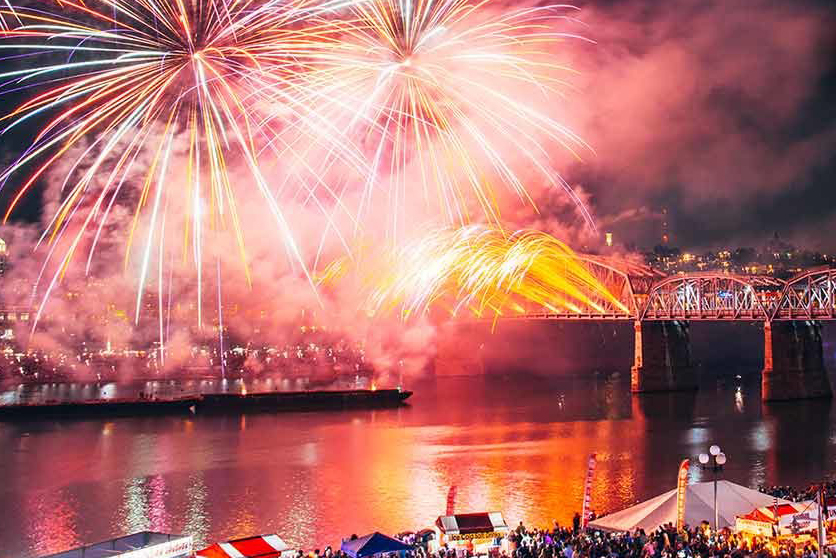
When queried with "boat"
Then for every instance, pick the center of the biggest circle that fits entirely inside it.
(303, 400)
(97, 407)
(213, 403)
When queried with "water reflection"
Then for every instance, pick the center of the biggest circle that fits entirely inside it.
(135, 507)
(196, 520)
(515, 445)
(52, 521)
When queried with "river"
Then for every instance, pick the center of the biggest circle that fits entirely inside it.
(518, 444)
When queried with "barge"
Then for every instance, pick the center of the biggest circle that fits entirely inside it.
(303, 400)
(212, 403)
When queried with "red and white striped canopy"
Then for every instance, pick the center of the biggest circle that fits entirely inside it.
(262, 546)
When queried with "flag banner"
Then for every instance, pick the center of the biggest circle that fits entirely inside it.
(681, 488)
(587, 492)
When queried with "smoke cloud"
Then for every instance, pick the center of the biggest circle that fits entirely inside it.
(720, 112)
(716, 111)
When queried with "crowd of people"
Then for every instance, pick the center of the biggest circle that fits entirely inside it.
(665, 542)
(797, 495)
(574, 542)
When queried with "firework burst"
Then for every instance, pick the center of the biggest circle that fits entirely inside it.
(160, 93)
(484, 271)
(443, 97)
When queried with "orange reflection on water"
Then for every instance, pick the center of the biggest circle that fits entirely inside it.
(515, 446)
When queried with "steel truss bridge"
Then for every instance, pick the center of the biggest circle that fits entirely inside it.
(701, 296)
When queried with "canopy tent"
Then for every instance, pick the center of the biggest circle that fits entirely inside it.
(732, 500)
(262, 546)
(472, 523)
(375, 543)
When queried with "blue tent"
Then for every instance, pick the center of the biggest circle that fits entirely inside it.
(376, 543)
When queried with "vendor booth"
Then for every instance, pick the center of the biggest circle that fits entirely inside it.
(261, 546)
(783, 518)
(757, 523)
(791, 518)
(479, 533)
(373, 545)
(795, 522)
(732, 500)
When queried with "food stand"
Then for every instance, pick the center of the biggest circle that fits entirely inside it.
(756, 524)
(795, 523)
(478, 533)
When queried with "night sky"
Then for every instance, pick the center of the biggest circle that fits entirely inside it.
(720, 112)
(723, 113)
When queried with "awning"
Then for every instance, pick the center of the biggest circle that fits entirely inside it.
(262, 546)
(471, 523)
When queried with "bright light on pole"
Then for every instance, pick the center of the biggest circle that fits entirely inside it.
(714, 462)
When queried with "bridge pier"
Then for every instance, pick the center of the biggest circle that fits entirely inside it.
(793, 361)
(663, 357)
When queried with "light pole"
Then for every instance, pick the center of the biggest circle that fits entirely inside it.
(714, 461)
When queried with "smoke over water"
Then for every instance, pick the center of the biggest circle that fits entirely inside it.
(95, 306)
(682, 108)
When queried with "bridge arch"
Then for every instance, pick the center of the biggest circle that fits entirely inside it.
(713, 296)
(617, 281)
(808, 296)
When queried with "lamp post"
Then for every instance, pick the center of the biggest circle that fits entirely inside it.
(713, 461)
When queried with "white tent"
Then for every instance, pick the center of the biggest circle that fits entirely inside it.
(732, 500)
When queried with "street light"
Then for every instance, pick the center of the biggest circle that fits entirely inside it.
(714, 461)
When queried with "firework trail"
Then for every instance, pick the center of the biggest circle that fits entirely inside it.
(440, 95)
(490, 274)
(427, 98)
(163, 93)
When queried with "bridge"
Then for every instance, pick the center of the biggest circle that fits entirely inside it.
(662, 307)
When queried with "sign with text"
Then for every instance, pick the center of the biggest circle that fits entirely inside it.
(802, 522)
(753, 527)
(476, 537)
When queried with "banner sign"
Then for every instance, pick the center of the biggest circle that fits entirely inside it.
(753, 527)
(586, 511)
(476, 537)
(681, 489)
(802, 522)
